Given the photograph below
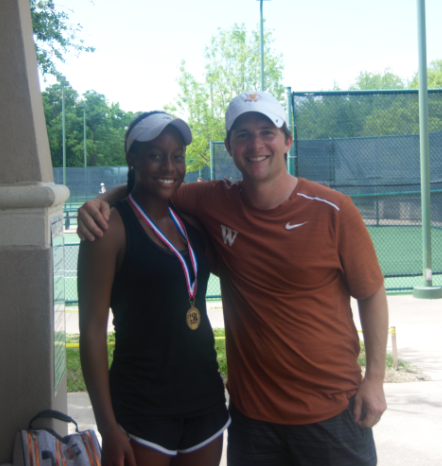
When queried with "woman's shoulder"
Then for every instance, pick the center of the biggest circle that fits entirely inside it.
(114, 235)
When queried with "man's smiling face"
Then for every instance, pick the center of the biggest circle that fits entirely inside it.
(257, 147)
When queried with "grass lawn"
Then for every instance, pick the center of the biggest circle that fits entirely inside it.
(76, 383)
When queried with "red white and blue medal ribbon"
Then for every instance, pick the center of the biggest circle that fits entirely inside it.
(194, 315)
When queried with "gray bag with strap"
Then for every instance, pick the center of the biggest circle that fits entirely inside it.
(44, 447)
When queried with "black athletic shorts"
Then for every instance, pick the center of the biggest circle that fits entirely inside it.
(179, 435)
(338, 441)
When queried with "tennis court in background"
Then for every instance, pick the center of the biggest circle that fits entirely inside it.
(399, 250)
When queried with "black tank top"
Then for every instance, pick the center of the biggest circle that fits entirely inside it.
(161, 368)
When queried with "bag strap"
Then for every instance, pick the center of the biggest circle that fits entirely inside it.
(52, 414)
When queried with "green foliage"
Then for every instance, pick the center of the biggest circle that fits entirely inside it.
(362, 360)
(434, 76)
(220, 347)
(232, 66)
(374, 81)
(105, 128)
(54, 36)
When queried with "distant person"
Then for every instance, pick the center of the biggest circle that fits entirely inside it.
(291, 254)
(102, 189)
(199, 180)
(162, 401)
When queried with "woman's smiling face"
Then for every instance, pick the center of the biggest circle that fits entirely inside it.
(160, 164)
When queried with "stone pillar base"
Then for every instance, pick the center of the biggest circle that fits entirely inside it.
(26, 308)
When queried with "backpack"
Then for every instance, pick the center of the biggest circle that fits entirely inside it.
(44, 447)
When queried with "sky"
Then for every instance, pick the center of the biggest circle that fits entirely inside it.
(141, 43)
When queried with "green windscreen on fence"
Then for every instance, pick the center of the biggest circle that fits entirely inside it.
(85, 182)
(365, 142)
(366, 145)
(223, 166)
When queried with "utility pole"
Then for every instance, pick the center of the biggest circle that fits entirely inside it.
(63, 82)
(83, 106)
(262, 46)
(427, 290)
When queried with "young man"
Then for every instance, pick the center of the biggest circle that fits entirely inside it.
(291, 254)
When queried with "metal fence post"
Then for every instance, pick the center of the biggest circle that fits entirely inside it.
(331, 154)
(426, 291)
(377, 211)
(290, 163)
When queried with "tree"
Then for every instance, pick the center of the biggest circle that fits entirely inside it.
(375, 81)
(105, 128)
(232, 66)
(434, 76)
(54, 36)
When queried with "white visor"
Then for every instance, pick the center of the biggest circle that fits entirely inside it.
(151, 127)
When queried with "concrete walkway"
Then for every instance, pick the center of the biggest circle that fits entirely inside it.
(410, 431)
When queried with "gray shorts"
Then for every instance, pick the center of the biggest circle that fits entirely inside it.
(338, 441)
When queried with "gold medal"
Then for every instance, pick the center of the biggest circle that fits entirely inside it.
(193, 316)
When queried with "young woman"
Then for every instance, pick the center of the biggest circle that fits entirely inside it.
(162, 401)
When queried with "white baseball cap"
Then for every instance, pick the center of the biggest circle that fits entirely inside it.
(152, 126)
(255, 101)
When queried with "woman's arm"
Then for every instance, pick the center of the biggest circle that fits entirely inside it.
(97, 264)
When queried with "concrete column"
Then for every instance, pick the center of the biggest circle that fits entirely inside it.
(29, 201)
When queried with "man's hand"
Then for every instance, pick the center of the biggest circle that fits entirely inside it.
(370, 403)
(92, 219)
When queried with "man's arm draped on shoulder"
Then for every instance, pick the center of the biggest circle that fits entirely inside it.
(93, 215)
(189, 196)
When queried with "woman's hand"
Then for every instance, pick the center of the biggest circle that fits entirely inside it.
(116, 450)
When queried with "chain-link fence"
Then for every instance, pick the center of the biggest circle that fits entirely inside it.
(70, 272)
(85, 182)
(222, 163)
(366, 145)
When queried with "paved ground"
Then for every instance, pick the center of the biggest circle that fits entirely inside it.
(410, 432)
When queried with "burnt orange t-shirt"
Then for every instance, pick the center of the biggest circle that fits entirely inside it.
(286, 279)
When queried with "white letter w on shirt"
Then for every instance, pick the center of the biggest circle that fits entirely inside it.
(229, 235)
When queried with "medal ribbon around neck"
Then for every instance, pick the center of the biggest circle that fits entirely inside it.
(191, 286)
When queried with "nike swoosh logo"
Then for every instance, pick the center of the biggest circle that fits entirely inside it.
(290, 227)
